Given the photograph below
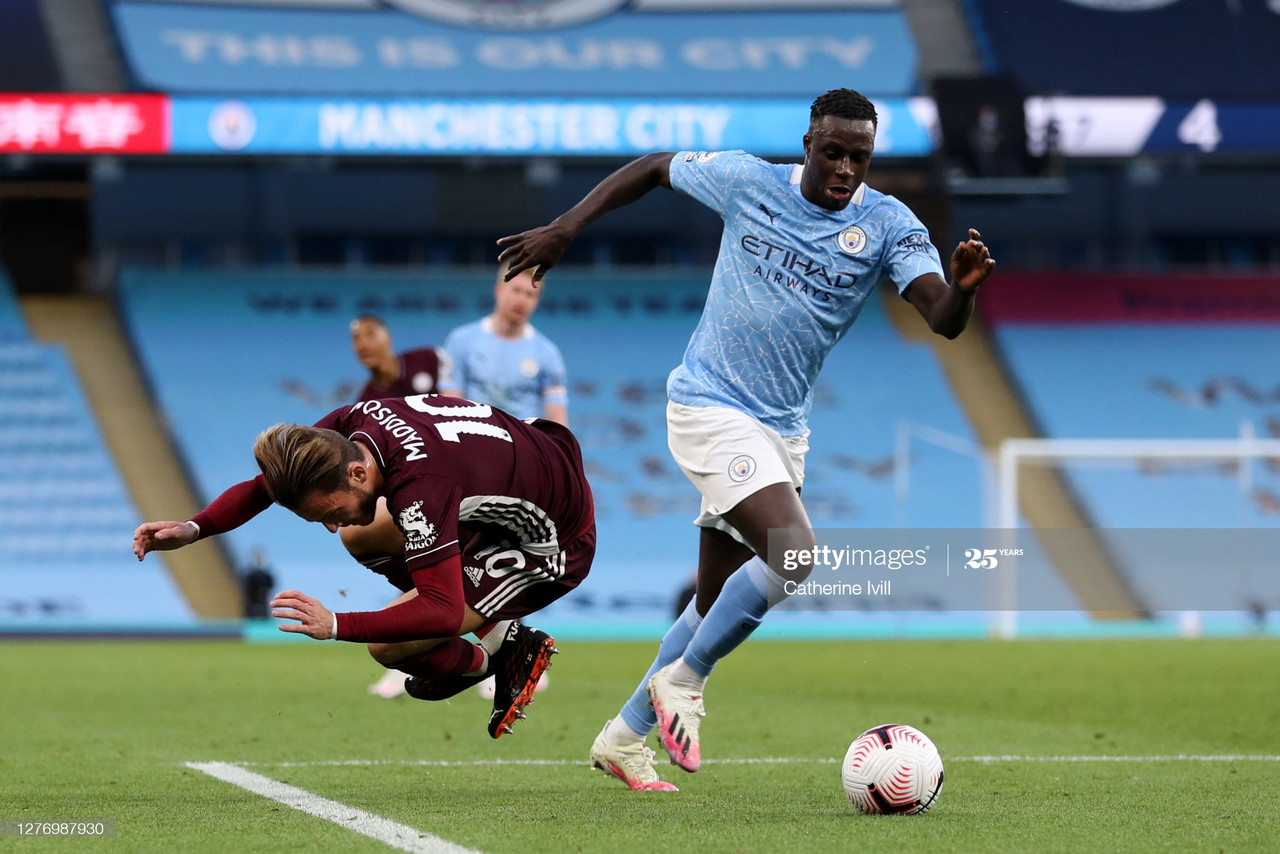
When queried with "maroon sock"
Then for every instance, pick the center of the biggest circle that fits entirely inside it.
(454, 657)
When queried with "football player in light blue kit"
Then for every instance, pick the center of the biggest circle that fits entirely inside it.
(503, 361)
(803, 248)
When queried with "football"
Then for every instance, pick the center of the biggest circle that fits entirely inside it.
(892, 769)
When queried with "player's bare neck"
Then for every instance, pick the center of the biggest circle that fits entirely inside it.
(387, 371)
(506, 328)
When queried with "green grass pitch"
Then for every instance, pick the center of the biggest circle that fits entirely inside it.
(100, 730)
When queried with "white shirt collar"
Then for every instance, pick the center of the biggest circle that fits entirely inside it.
(486, 323)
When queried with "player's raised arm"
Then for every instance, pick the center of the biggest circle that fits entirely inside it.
(163, 537)
(540, 249)
(947, 308)
(233, 507)
(228, 511)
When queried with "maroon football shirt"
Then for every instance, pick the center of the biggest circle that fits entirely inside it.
(447, 461)
(422, 371)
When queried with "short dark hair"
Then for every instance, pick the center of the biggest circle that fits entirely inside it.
(843, 104)
(369, 318)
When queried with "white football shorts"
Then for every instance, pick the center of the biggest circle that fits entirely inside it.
(729, 456)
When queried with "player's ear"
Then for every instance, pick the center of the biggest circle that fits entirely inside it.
(357, 472)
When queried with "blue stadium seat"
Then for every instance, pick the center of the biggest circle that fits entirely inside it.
(1149, 381)
(65, 514)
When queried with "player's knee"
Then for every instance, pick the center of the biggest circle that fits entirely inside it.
(792, 570)
(386, 654)
(792, 553)
(381, 535)
(357, 540)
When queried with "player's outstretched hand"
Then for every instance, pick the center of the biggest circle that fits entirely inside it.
(538, 249)
(316, 621)
(162, 537)
(971, 263)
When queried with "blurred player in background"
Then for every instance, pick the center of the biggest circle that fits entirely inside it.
(421, 371)
(803, 247)
(503, 361)
(487, 518)
(256, 585)
(424, 370)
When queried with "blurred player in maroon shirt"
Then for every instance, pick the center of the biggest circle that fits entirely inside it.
(421, 371)
(487, 519)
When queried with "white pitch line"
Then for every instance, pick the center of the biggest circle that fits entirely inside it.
(399, 836)
(766, 760)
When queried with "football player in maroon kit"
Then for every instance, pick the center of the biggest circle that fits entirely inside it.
(488, 518)
(425, 370)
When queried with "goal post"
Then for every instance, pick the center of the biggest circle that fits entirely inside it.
(1014, 453)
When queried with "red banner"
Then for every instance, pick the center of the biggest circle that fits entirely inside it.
(1062, 297)
(84, 124)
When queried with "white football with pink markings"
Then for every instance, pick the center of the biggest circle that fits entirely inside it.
(892, 769)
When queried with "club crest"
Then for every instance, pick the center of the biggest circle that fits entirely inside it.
(741, 468)
(852, 240)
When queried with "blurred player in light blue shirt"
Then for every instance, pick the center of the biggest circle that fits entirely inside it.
(803, 247)
(503, 361)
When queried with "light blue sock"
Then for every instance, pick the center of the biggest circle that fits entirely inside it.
(741, 605)
(637, 712)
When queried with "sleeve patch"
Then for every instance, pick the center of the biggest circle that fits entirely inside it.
(915, 242)
(418, 532)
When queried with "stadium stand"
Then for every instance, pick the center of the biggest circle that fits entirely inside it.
(64, 510)
(1157, 357)
(1150, 357)
(1119, 381)
(12, 325)
(251, 349)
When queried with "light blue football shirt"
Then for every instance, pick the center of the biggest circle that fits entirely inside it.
(790, 280)
(516, 375)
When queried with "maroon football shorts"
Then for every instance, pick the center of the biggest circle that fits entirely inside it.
(503, 582)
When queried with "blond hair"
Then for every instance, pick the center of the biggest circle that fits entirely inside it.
(502, 274)
(297, 460)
